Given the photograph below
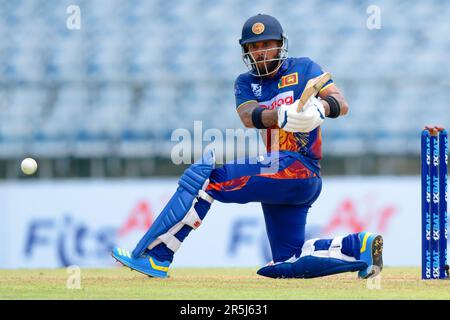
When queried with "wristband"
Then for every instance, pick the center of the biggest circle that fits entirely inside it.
(257, 118)
(335, 108)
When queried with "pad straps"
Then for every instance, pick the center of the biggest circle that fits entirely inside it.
(191, 219)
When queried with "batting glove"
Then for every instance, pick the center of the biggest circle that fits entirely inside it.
(309, 118)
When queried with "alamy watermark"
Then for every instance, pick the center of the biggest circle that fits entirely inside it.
(374, 19)
(74, 277)
(73, 21)
(375, 282)
(239, 146)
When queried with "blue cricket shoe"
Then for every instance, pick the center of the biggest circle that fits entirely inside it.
(145, 264)
(371, 252)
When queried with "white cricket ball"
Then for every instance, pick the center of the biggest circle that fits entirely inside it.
(29, 166)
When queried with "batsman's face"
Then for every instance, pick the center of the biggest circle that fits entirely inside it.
(265, 54)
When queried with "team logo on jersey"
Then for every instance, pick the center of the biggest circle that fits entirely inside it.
(257, 89)
(288, 80)
(258, 28)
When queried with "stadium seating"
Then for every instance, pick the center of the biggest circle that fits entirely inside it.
(138, 69)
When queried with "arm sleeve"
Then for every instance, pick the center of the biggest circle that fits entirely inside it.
(315, 70)
(243, 92)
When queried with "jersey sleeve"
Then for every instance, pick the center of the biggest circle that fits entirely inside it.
(315, 70)
(243, 92)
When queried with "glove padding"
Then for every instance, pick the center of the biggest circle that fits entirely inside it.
(310, 116)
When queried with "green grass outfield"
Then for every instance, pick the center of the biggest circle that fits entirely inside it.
(214, 283)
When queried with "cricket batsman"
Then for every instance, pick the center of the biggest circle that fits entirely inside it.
(286, 180)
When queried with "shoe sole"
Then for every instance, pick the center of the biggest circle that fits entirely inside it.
(377, 257)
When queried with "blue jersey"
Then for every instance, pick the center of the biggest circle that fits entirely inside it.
(285, 88)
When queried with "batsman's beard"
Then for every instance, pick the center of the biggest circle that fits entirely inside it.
(267, 68)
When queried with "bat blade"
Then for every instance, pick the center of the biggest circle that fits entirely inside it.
(313, 87)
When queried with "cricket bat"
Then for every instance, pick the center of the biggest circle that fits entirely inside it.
(313, 87)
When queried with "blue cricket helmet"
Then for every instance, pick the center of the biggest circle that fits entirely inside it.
(260, 28)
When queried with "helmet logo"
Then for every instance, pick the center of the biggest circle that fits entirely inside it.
(258, 28)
